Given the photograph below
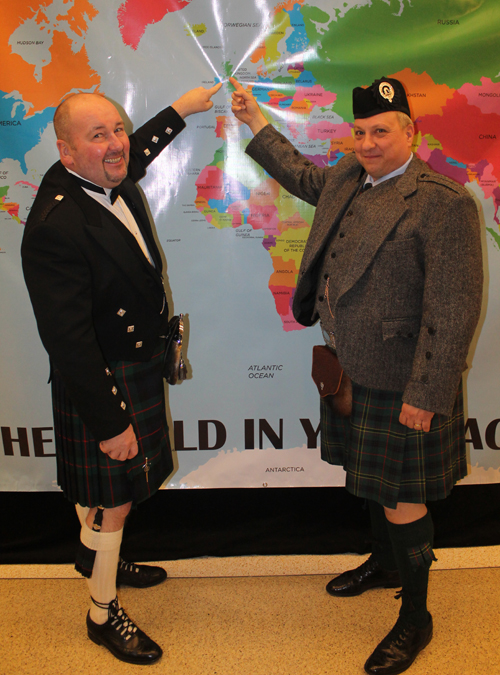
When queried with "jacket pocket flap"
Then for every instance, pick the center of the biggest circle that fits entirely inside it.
(401, 328)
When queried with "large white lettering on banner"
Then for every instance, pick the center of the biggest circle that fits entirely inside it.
(248, 416)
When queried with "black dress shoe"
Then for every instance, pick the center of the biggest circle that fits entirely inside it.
(366, 576)
(123, 639)
(399, 648)
(139, 576)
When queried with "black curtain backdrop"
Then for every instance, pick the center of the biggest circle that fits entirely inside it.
(42, 527)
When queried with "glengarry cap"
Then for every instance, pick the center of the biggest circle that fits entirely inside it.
(384, 95)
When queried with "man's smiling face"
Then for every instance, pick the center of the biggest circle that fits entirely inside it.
(98, 147)
(381, 144)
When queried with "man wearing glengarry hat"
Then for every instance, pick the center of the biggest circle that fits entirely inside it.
(394, 274)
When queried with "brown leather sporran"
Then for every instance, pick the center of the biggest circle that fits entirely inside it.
(334, 386)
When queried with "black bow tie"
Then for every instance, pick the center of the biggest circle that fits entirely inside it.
(113, 195)
(366, 186)
(89, 186)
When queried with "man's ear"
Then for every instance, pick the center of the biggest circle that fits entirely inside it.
(410, 133)
(65, 153)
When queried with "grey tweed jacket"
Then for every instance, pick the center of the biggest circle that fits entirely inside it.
(407, 306)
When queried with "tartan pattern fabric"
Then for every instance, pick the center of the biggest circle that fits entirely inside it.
(386, 461)
(421, 556)
(84, 561)
(89, 477)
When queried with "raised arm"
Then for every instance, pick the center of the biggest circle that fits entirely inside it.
(246, 109)
(195, 100)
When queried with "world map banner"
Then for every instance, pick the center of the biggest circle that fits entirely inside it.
(248, 415)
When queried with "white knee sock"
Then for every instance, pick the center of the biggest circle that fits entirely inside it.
(102, 584)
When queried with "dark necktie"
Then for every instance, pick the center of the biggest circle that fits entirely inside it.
(367, 185)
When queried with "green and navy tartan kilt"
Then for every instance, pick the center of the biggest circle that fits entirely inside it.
(388, 462)
(89, 477)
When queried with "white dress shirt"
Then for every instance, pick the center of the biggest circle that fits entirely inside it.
(121, 211)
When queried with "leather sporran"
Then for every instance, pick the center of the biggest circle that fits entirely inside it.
(334, 386)
(174, 368)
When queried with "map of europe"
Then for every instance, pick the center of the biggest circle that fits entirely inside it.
(302, 68)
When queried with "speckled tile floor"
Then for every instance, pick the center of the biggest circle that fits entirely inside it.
(251, 625)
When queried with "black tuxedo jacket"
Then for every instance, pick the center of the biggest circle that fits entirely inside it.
(95, 296)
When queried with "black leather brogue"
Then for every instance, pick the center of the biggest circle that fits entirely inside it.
(123, 638)
(399, 649)
(366, 576)
(139, 576)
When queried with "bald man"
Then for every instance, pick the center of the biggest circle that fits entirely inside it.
(94, 275)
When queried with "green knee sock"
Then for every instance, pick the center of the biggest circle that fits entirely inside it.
(412, 545)
(382, 550)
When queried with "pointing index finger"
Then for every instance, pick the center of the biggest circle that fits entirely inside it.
(236, 85)
(213, 90)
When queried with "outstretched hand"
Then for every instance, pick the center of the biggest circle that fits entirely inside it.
(246, 109)
(195, 100)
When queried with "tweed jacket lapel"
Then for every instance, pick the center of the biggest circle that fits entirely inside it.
(380, 217)
(382, 211)
(324, 227)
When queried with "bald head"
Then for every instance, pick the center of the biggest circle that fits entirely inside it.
(62, 115)
(91, 139)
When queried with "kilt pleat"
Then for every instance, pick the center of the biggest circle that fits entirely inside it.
(89, 477)
(386, 461)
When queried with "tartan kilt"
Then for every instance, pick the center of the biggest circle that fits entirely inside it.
(386, 461)
(89, 477)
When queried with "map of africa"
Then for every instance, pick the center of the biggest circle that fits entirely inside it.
(457, 123)
(233, 238)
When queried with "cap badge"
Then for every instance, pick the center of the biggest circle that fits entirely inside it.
(386, 91)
